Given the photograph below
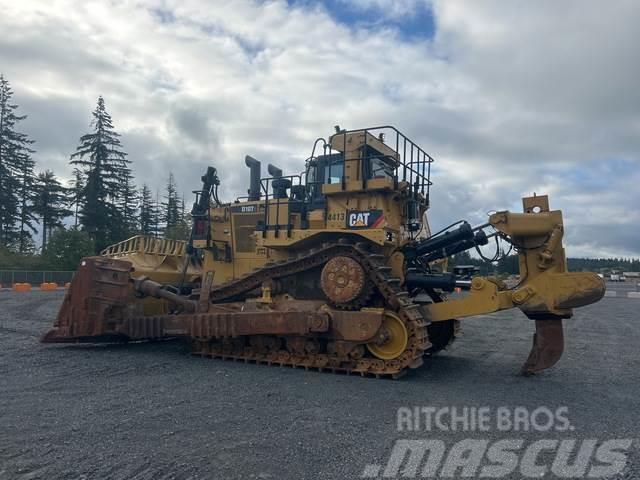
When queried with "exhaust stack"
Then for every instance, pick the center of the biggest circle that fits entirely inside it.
(254, 182)
(274, 171)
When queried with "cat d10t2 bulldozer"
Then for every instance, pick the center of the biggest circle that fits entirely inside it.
(332, 269)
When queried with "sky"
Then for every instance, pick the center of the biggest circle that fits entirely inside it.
(510, 98)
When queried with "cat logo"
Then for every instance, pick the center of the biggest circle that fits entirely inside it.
(365, 219)
(359, 219)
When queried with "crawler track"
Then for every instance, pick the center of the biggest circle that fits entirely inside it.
(275, 351)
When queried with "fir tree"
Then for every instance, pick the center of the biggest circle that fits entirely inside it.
(104, 168)
(156, 217)
(182, 228)
(50, 203)
(148, 212)
(65, 248)
(76, 188)
(16, 175)
(26, 196)
(128, 206)
(171, 205)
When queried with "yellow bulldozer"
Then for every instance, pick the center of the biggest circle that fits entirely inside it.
(332, 269)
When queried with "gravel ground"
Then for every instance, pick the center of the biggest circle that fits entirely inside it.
(153, 411)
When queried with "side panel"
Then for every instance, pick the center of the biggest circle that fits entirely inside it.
(245, 253)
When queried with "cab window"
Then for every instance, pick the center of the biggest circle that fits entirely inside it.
(377, 165)
(380, 168)
(333, 173)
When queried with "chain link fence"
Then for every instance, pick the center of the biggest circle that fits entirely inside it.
(34, 277)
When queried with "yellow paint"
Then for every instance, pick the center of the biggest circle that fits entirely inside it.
(396, 341)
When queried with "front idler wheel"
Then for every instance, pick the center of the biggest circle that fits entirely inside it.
(391, 340)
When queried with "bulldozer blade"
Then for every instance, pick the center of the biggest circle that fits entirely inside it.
(548, 345)
(93, 304)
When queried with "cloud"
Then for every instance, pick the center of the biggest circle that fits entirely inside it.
(509, 99)
(390, 8)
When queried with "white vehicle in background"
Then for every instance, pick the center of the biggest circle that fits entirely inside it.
(623, 278)
(614, 277)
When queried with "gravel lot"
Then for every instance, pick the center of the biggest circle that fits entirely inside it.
(153, 411)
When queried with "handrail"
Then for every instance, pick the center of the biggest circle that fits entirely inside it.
(148, 245)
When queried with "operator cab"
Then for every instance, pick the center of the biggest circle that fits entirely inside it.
(330, 172)
(374, 161)
(323, 170)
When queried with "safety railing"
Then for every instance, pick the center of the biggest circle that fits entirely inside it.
(146, 244)
(278, 201)
(410, 164)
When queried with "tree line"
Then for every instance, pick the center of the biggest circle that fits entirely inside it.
(508, 265)
(99, 206)
(102, 205)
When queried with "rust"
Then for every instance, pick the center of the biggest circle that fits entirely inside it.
(146, 286)
(590, 290)
(261, 335)
(94, 303)
(548, 345)
(358, 326)
(272, 350)
(205, 291)
(346, 350)
(224, 324)
(257, 323)
(342, 279)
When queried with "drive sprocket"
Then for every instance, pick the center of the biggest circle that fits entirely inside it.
(344, 282)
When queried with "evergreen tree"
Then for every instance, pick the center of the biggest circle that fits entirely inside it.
(104, 169)
(66, 247)
(182, 229)
(128, 206)
(148, 212)
(171, 205)
(16, 174)
(50, 203)
(26, 194)
(156, 217)
(183, 213)
(76, 188)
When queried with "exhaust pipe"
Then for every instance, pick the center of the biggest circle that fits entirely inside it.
(279, 185)
(254, 182)
(274, 171)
